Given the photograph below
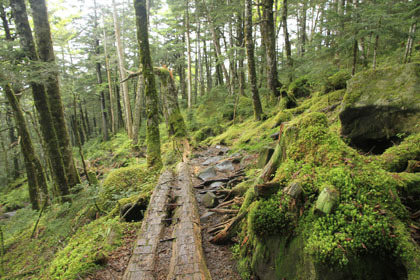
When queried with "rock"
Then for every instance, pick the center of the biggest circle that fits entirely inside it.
(206, 217)
(380, 106)
(327, 200)
(207, 174)
(275, 135)
(264, 156)
(216, 185)
(209, 200)
(8, 215)
(211, 160)
(225, 166)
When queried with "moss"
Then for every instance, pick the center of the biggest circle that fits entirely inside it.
(125, 181)
(87, 249)
(337, 81)
(395, 159)
(384, 85)
(300, 87)
(270, 217)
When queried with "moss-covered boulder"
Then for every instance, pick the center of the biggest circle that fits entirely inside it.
(125, 182)
(380, 105)
(364, 236)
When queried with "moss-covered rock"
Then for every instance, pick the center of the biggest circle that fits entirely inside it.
(363, 238)
(337, 81)
(300, 87)
(124, 182)
(382, 104)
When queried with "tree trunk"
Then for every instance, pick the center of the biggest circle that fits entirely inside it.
(251, 63)
(40, 96)
(270, 48)
(13, 139)
(176, 124)
(146, 66)
(189, 75)
(105, 135)
(124, 85)
(46, 54)
(241, 55)
(138, 109)
(111, 93)
(208, 71)
(287, 45)
(303, 28)
(35, 173)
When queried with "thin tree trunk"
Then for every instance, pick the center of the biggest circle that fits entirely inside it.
(208, 71)
(241, 54)
(35, 173)
(287, 44)
(251, 63)
(46, 54)
(270, 48)
(105, 135)
(410, 40)
(303, 28)
(41, 98)
(13, 139)
(152, 129)
(138, 110)
(187, 36)
(200, 61)
(108, 75)
(124, 85)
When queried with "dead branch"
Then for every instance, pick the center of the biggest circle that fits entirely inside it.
(226, 234)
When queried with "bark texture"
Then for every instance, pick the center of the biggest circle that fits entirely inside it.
(152, 112)
(251, 61)
(46, 54)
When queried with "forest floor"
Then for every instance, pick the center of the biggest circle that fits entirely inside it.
(212, 174)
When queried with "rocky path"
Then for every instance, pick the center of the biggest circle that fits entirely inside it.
(174, 240)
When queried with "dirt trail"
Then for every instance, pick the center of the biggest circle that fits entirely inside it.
(174, 240)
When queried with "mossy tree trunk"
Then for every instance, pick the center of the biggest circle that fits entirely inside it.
(189, 74)
(41, 99)
(152, 112)
(251, 61)
(176, 124)
(46, 54)
(138, 109)
(34, 171)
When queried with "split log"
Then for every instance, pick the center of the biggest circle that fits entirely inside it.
(227, 233)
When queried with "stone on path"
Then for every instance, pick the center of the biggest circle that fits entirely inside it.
(207, 174)
(225, 166)
(211, 160)
(209, 200)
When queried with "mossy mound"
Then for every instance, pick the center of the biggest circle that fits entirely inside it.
(87, 249)
(364, 230)
(300, 87)
(380, 105)
(337, 81)
(124, 182)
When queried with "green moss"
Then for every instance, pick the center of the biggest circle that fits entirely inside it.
(270, 217)
(395, 158)
(300, 87)
(124, 182)
(87, 249)
(337, 81)
(384, 85)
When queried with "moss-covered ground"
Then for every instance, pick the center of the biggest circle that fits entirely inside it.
(368, 227)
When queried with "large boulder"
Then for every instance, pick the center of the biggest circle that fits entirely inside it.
(381, 106)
